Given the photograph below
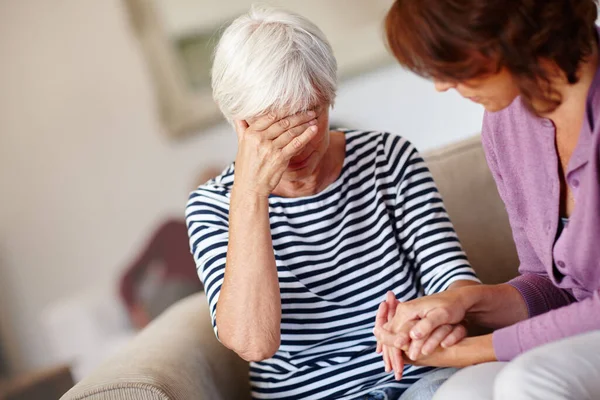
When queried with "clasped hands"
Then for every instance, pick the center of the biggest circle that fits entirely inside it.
(418, 332)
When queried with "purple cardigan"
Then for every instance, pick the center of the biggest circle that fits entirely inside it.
(560, 281)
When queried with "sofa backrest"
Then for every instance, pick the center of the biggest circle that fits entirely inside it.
(472, 201)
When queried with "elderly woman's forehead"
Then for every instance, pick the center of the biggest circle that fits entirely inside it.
(282, 113)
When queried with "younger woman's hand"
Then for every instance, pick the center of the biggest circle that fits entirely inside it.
(444, 336)
(469, 351)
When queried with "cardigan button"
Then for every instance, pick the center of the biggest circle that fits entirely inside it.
(560, 264)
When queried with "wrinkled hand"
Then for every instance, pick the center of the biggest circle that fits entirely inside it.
(266, 146)
(392, 357)
(418, 328)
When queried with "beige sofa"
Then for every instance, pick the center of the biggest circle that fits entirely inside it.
(178, 358)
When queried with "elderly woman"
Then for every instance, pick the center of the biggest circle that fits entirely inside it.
(534, 66)
(298, 240)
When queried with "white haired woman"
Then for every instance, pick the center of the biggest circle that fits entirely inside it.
(298, 240)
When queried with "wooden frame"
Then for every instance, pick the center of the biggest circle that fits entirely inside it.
(358, 46)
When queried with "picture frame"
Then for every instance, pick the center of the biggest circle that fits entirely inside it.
(177, 38)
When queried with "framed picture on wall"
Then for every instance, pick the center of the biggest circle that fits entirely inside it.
(178, 38)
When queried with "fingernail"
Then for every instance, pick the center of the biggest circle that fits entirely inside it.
(387, 369)
(397, 376)
(413, 355)
(313, 122)
(399, 343)
(313, 128)
(311, 113)
(415, 335)
(425, 352)
(375, 331)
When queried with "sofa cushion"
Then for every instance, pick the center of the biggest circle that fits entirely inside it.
(475, 208)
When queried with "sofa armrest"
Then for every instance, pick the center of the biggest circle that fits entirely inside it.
(177, 357)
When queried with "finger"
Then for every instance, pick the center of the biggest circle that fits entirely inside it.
(403, 335)
(264, 121)
(415, 348)
(435, 339)
(286, 137)
(434, 319)
(458, 333)
(381, 316)
(380, 319)
(386, 359)
(398, 361)
(397, 355)
(392, 304)
(394, 319)
(409, 361)
(386, 337)
(299, 142)
(276, 128)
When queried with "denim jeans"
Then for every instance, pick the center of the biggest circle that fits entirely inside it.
(423, 389)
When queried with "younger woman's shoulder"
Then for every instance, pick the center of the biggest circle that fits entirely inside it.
(509, 120)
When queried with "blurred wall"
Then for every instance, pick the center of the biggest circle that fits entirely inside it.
(397, 101)
(85, 169)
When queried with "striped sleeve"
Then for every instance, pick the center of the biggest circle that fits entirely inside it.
(207, 219)
(426, 233)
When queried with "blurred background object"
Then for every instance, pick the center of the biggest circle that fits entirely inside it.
(85, 328)
(164, 271)
(49, 383)
(179, 36)
(88, 172)
(3, 366)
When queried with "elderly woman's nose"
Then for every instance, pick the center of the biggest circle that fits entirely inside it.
(442, 86)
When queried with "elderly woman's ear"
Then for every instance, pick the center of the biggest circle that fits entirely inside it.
(240, 127)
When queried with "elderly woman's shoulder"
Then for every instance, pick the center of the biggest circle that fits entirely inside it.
(217, 189)
(378, 151)
(358, 137)
(380, 141)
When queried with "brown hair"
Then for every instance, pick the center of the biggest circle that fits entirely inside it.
(456, 40)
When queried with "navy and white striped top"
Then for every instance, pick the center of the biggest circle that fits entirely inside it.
(380, 226)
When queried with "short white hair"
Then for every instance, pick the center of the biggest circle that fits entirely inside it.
(272, 60)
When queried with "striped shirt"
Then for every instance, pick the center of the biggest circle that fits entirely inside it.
(380, 226)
